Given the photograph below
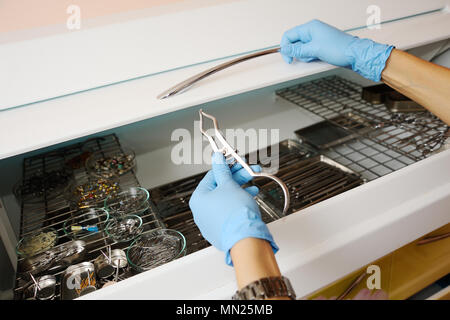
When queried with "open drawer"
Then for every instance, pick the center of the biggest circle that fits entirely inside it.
(320, 242)
(404, 197)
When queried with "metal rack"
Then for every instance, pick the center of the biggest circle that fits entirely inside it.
(310, 181)
(309, 176)
(49, 207)
(172, 202)
(382, 142)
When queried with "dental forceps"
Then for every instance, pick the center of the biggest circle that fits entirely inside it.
(230, 153)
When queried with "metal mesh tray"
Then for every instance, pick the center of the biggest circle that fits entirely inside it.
(414, 136)
(172, 202)
(309, 181)
(51, 211)
(287, 152)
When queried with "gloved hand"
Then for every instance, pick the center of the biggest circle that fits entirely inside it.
(225, 212)
(317, 40)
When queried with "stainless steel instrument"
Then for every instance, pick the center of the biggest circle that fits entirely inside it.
(108, 264)
(433, 239)
(184, 85)
(156, 248)
(119, 258)
(103, 266)
(229, 152)
(78, 280)
(52, 260)
(352, 286)
(43, 288)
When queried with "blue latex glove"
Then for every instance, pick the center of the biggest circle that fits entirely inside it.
(317, 40)
(225, 212)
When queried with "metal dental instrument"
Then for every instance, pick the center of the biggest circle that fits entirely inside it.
(433, 239)
(229, 152)
(184, 85)
(35, 282)
(351, 286)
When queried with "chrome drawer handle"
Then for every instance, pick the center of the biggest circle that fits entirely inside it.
(184, 85)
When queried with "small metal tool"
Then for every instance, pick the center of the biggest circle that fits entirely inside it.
(229, 152)
(433, 239)
(116, 278)
(106, 256)
(351, 286)
(184, 85)
(35, 283)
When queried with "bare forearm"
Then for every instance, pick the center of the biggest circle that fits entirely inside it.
(424, 82)
(253, 259)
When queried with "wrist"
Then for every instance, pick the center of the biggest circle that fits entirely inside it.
(253, 259)
(242, 225)
(368, 58)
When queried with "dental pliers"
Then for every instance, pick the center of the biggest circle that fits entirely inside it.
(231, 154)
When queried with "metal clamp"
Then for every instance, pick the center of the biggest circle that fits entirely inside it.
(184, 85)
(229, 152)
(352, 286)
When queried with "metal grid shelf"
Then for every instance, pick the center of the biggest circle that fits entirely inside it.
(413, 135)
(309, 181)
(48, 206)
(382, 142)
(309, 176)
(172, 202)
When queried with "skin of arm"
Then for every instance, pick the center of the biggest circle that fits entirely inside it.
(253, 259)
(424, 82)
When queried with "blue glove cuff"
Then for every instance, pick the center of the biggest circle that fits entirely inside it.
(368, 57)
(245, 224)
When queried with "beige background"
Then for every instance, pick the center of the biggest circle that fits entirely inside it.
(19, 15)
